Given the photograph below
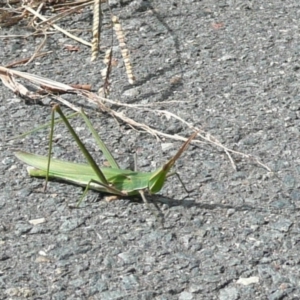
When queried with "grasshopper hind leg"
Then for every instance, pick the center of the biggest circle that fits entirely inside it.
(182, 183)
(158, 213)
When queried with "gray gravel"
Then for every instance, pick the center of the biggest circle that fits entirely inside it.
(236, 236)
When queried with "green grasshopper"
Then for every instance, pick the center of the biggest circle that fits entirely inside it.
(111, 180)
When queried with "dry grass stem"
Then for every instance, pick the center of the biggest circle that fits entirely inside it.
(36, 53)
(106, 72)
(65, 13)
(25, 60)
(124, 51)
(49, 86)
(96, 29)
(57, 27)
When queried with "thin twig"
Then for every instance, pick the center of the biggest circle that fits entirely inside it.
(25, 60)
(65, 13)
(8, 78)
(36, 53)
(57, 27)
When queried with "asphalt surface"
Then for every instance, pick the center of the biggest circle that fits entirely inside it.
(236, 235)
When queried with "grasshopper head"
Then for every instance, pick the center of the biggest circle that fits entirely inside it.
(158, 178)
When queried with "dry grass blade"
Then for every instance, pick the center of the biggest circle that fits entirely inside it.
(39, 9)
(57, 27)
(206, 137)
(7, 77)
(65, 13)
(9, 18)
(43, 86)
(9, 81)
(40, 81)
(73, 3)
(25, 60)
(36, 53)
(96, 29)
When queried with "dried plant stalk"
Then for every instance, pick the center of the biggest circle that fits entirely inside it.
(96, 29)
(106, 72)
(124, 51)
(57, 27)
(8, 78)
